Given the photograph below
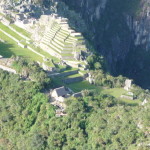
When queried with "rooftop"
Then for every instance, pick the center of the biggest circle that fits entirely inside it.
(61, 91)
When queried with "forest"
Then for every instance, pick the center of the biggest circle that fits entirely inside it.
(94, 122)
(98, 120)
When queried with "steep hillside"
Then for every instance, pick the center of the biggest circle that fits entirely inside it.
(120, 31)
(94, 122)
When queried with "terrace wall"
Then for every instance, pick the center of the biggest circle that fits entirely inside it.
(20, 34)
(8, 69)
(9, 36)
(69, 73)
(72, 80)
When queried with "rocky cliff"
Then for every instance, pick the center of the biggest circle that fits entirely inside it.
(119, 31)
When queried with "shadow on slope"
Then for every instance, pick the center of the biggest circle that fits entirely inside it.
(5, 50)
(112, 37)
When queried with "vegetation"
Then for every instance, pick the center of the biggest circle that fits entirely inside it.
(97, 121)
(32, 71)
(96, 62)
(106, 80)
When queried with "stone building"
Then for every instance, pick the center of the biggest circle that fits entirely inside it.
(128, 84)
(59, 94)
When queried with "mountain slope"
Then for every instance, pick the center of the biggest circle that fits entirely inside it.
(120, 32)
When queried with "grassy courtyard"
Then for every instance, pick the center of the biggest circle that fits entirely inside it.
(117, 92)
(79, 86)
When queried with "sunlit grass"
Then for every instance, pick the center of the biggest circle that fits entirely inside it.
(10, 48)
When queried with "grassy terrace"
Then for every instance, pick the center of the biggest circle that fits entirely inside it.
(76, 87)
(74, 76)
(117, 92)
(12, 33)
(20, 30)
(70, 69)
(11, 48)
(79, 86)
(47, 55)
(56, 48)
(67, 54)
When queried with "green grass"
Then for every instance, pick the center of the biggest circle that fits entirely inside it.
(47, 55)
(11, 48)
(57, 82)
(79, 86)
(83, 71)
(23, 42)
(70, 69)
(12, 33)
(67, 54)
(61, 67)
(20, 30)
(117, 92)
(49, 63)
(74, 76)
(9, 31)
(127, 101)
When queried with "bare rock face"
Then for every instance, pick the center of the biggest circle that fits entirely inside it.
(141, 26)
(120, 31)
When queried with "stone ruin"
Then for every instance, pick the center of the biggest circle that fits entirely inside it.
(128, 84)
(51, 33)
(58, 39)
(128, 95)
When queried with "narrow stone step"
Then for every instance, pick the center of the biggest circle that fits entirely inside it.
(52, 47)
(64, 31)
(61, 36)
(50, 50)
(60, 39)
(55, 44)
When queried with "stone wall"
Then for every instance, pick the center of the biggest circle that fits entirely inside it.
(9, 36)
(22, 45)
(35, 51)
(72, 80)
(8, 69)
(69, 73)
(23, 36)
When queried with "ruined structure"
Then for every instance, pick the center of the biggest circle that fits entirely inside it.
(60, 40)
(128, 84)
